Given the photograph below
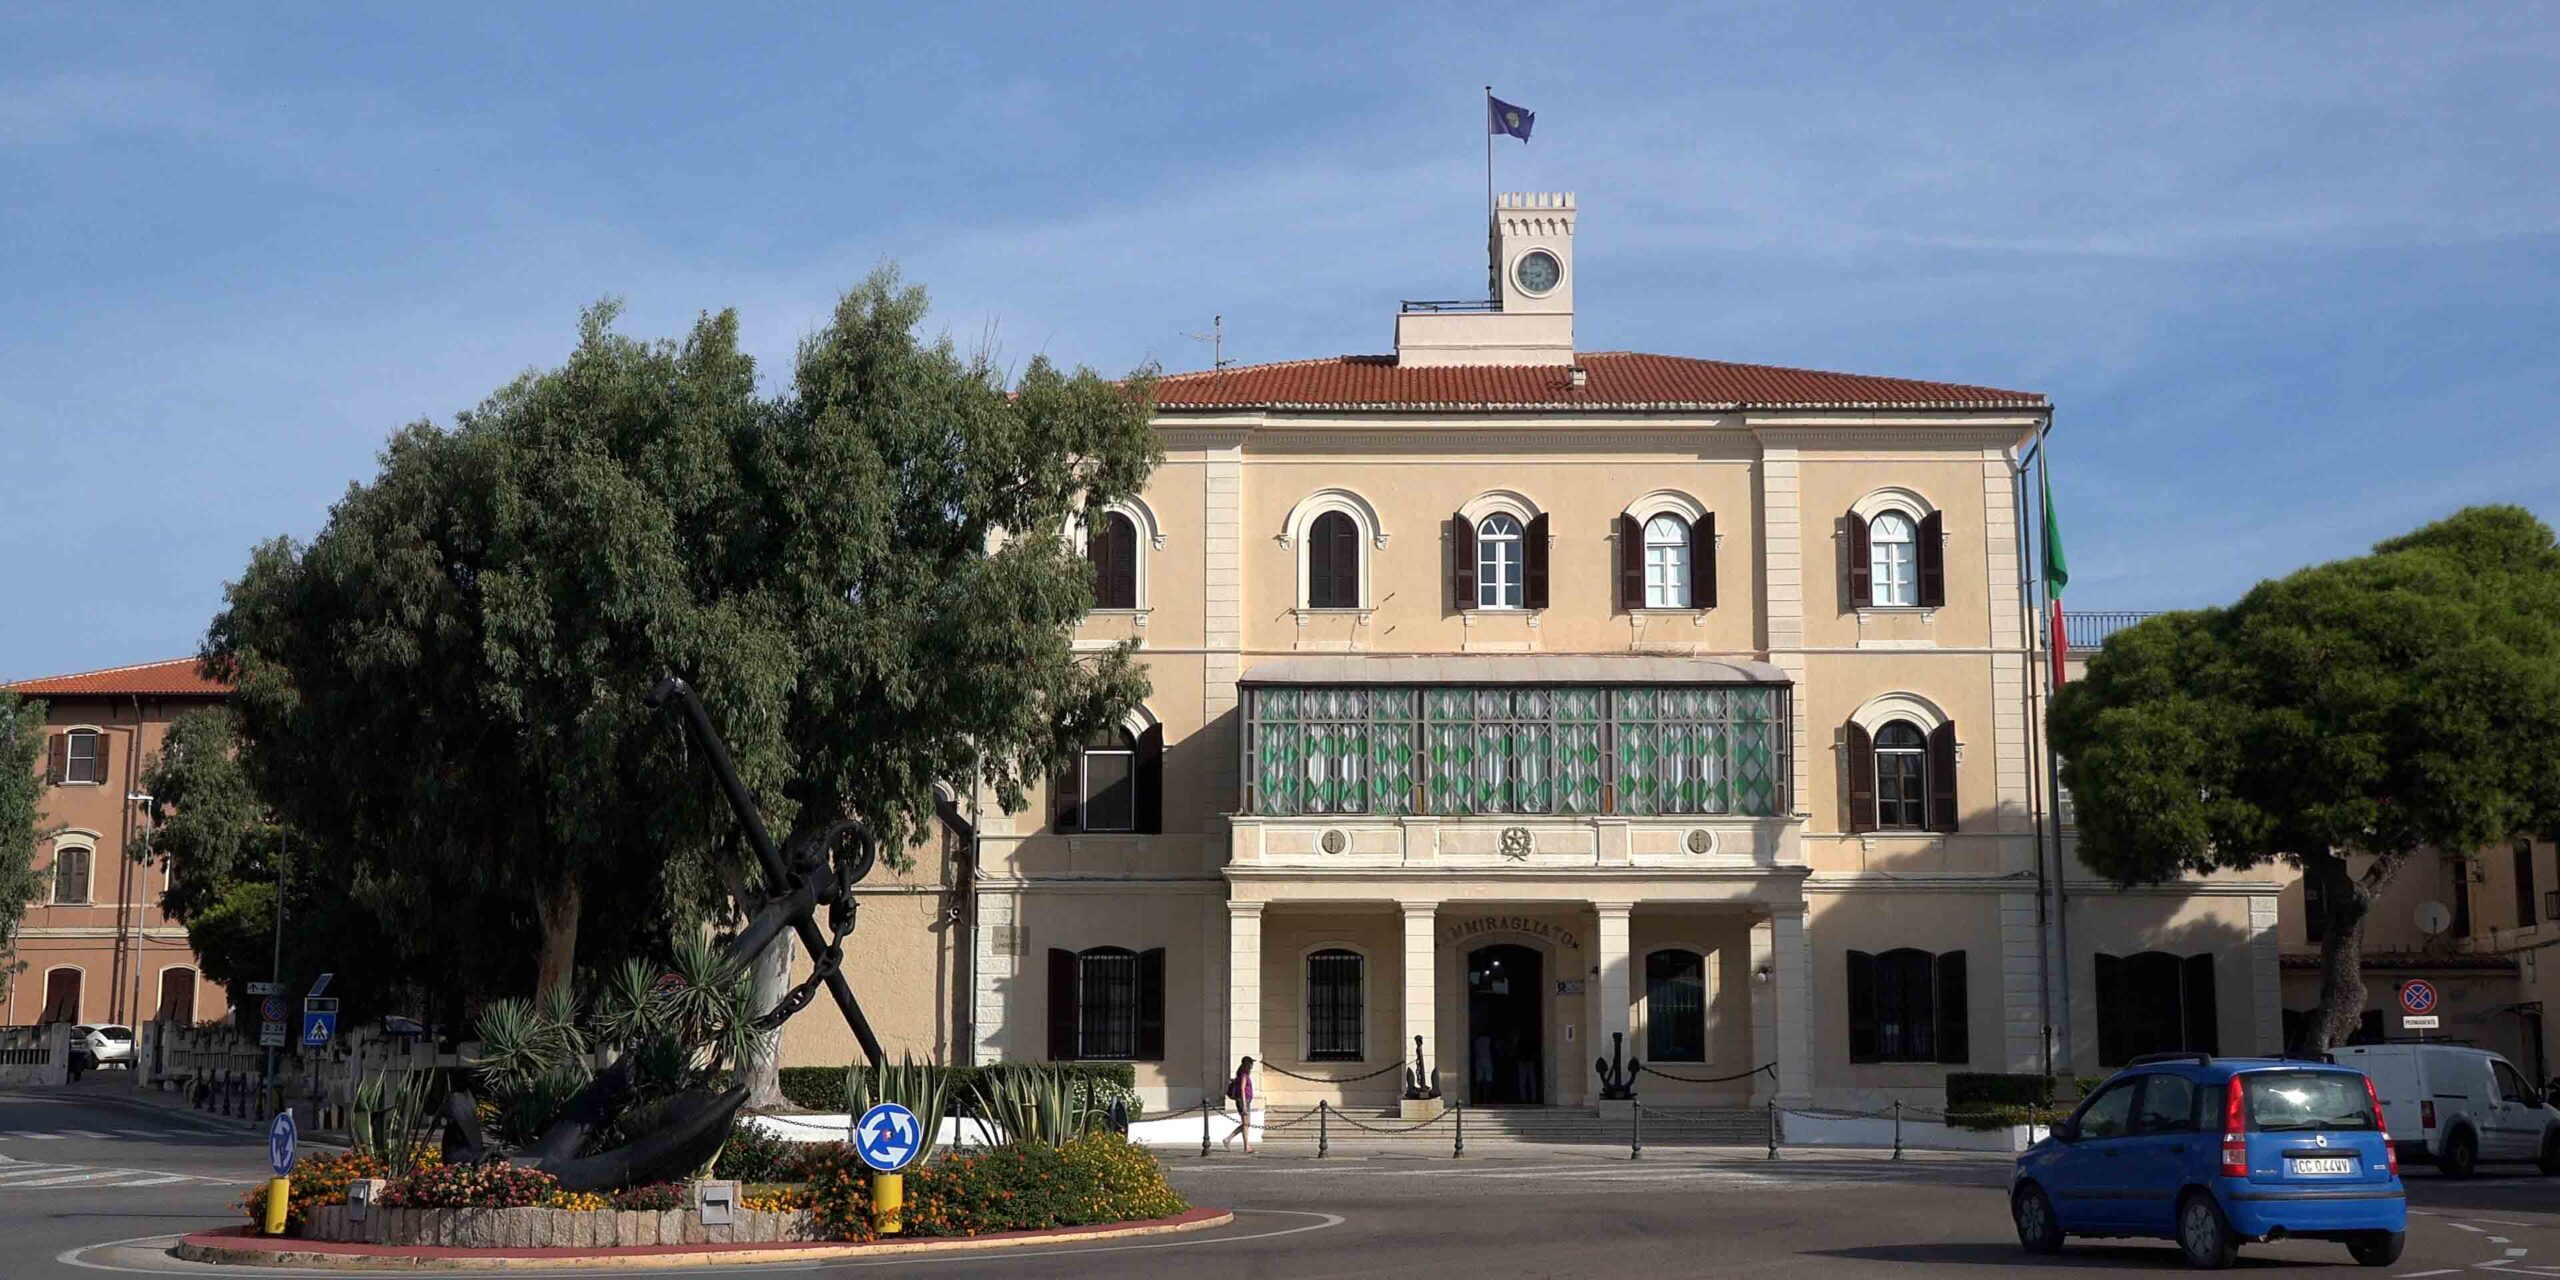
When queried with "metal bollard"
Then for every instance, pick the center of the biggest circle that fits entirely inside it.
(1460, 1149)
(1897, 1128)
(1324, 1138)
(1204, 1125)
(1635, 1132)
(1773, 1128)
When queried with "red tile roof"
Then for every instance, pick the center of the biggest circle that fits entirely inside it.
(1615, 380)
(175, 678)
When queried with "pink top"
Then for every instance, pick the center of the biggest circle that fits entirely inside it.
(1244, 1089)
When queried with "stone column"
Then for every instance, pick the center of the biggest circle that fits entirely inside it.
(1244, 983)
(1422, 987)
(1610, 941)
(1793, 980)
(1764, 1007)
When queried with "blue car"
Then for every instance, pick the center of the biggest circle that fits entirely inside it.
(2217, 1152)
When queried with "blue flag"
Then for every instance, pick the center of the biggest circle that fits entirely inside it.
(1502, 117)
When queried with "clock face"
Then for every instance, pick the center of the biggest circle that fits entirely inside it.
(1537, 271)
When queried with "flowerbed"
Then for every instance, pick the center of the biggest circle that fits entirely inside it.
(1019, 1187)
(322, 1180)
(471, 1186)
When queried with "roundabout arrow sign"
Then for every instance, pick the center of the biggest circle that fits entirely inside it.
(887, 1137)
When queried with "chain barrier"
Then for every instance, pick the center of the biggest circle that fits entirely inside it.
(1769, 1069)
(1394, 1130)
(1276, 1067)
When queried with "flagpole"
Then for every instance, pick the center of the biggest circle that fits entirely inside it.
(1492, 277)
(2054, 658)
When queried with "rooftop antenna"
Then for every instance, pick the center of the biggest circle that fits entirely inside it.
(1216, 337)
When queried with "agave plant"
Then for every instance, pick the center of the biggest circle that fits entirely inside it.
(371, 1096)
(1035, 1104)
(921, 1087)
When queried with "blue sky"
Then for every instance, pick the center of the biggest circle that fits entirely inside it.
(2292, 275)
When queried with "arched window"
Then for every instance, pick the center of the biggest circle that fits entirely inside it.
(1666, 562)
(1908, 1006)
(1333, 562)
(1675, 1006)
(1106, 1003)
(1902, 778)
(70, 876)
(1894, 559)
(1499, 562)
(1112, 544)
(1334, 1005)
(61, 995)
(178, 996)
(2155, 1002)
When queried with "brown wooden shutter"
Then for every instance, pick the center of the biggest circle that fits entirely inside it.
(1533, 564)
(1062, 1005)
(1462, 561)
(1063, 797)
(1151, 1005)
(57, 757)
(98, 758)
(1862, 1007)
(1346, 563)
(1942, 777)
(1150, 780)
(1630, 564)
(1862, 779)
(1702, 562)
(1933, 561)
(1862, 570)
(1955, 1027)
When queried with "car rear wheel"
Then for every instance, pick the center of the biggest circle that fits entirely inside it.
(2203, 1234)
(2461, 1154)
(2550, 1162)
(2039, 1231)
(2377, 1248)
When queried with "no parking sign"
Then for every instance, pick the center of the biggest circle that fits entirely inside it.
(2418, 995)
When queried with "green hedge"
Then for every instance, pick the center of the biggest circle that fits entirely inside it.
(1974, 1090)
(822, 1088)
(1023, 1186)
(1988, 1116)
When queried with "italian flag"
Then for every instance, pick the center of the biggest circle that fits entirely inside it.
(2057, 570)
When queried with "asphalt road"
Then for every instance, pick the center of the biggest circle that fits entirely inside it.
(95, 1172)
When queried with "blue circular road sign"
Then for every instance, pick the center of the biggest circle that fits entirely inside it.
(887, 1137)
(280, 1142)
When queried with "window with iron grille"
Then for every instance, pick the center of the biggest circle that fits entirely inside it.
(1675, 1006)
(1334, 1006)
(1106, 1003)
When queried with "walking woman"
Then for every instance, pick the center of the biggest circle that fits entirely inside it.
(1240, 1092)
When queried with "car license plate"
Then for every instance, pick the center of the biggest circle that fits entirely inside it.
(2326, 1166)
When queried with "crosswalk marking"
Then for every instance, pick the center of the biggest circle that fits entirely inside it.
(34, 1170)
(32, 1137)
(19, 1175)
(66, 1180)
(90, 1134)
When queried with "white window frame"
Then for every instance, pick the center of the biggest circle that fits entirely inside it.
(1084, 788)
(1499, 575)
(97, 755)
(1666, 562)
(1894, 581)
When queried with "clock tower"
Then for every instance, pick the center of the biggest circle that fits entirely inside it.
(1529, 318)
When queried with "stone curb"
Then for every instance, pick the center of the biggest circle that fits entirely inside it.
(234, 1246)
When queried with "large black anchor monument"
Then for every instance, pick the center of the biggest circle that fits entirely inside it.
(678, 1134)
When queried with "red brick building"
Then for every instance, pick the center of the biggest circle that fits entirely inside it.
(95, 945)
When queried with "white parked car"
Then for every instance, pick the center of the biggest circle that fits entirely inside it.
(2456, 1106)
(104, 1045)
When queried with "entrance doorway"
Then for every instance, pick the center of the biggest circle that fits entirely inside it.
(1506, 1025)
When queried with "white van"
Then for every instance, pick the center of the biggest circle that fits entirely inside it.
(2455, 1106)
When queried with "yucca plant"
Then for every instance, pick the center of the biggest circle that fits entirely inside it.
(370, 1098)
(920, 1087)
(1034, 1104)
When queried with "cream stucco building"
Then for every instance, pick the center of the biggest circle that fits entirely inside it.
(1521, 698)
